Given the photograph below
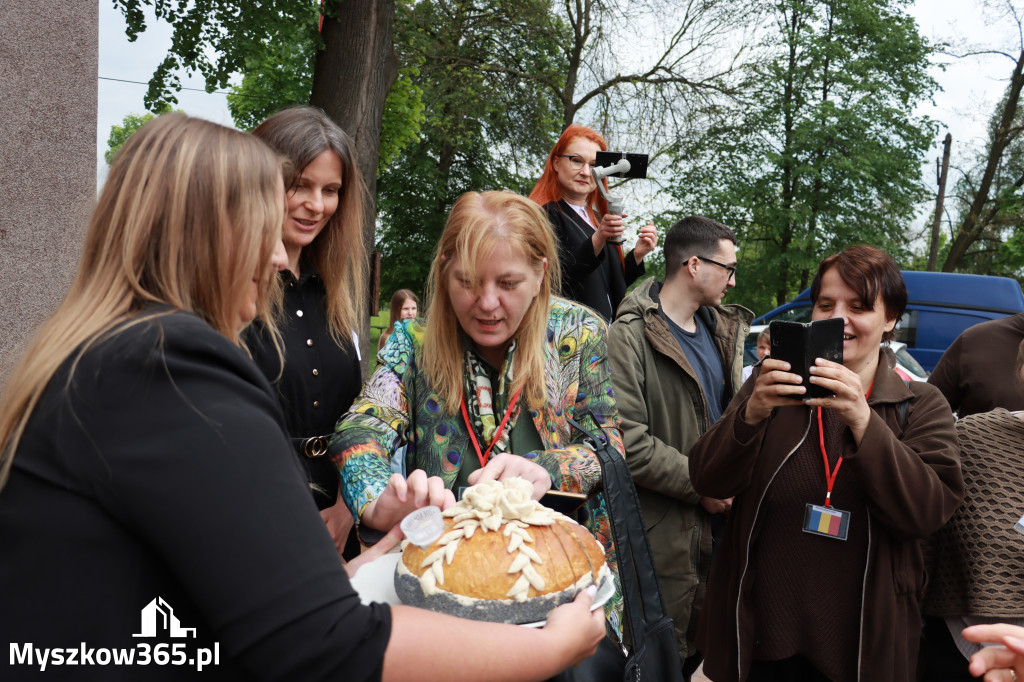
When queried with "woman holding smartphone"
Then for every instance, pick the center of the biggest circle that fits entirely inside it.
(820, 574)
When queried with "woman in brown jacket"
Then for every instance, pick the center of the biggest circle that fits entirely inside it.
(820, 575)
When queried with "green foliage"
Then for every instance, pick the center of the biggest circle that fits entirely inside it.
(404, 114)
(119, 134)
(216, 38)
(997, 248)
(486, 130)
(821, 151)
(279, 76)
(282, 76)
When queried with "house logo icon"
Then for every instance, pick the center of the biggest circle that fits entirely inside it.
(158, 615)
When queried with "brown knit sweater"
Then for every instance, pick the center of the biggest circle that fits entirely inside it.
(976, 561)
(807, 590)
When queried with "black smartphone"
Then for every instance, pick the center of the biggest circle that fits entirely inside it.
(563, 502)
(637, 163)
(800, 343)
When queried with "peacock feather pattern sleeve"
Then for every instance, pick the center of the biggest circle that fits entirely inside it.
(377, 423)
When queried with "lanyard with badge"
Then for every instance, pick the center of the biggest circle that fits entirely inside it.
(483, 456)
(826, 520)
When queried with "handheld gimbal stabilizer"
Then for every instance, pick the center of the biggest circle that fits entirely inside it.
(620, 165)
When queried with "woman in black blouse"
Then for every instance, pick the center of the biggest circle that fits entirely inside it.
(321, 312)
(144, 463)
(595, 272)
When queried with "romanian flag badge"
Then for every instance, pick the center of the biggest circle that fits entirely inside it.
(826, 521)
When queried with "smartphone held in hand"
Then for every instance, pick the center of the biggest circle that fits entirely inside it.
(801, 343)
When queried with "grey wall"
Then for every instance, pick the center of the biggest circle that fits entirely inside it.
(48, 70)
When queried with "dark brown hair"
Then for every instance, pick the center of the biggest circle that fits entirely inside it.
(338, 253)
(693, 236)
(871, 273)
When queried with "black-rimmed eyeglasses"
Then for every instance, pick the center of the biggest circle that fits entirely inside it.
(576, 162)
(730, 268)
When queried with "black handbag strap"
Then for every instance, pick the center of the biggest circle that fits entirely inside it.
(641, 594)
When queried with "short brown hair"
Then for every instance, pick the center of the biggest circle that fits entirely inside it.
(693, 236)
(871, 272)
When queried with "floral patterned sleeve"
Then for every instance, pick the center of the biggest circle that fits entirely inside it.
(583, 383)
(375, 426)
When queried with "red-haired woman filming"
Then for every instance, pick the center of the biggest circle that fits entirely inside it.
(594, 270)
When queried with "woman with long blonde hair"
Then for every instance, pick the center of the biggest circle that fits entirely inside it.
(148, 483)
(484, 388)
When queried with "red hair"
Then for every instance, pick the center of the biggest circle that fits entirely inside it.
(547, 188)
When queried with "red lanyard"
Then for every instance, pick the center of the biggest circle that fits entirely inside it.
(830, 474)
(497, 434)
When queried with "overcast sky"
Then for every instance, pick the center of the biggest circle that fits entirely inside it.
(971, 87)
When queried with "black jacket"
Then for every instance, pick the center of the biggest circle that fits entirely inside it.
(163, 471)
(598, 282)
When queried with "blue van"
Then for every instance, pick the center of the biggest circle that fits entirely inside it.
(940, 305)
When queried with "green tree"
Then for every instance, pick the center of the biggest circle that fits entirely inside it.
(119, 134)
(988, 196)
(279, 76)
(820, 151)
(282, 76)
(354, 66)
(486, 130)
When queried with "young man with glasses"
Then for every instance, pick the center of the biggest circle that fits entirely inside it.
(676, 356)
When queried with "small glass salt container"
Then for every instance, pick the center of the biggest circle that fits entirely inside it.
(423, 526)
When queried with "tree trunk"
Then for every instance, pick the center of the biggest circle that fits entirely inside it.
(788, 180)
(933, 250)
(352, 76)
(972, 225)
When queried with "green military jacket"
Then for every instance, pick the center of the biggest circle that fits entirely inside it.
(663, 410)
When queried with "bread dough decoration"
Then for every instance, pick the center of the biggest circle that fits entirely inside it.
(503, 557)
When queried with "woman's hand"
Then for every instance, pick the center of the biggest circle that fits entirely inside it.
(713, 506)
(849, 400)
(404, 495)
(646, 242)
(339, 522)
(581, 628)
(611, 228)
(772, 389)
(386, 544)
(508, 466)
(995, 662)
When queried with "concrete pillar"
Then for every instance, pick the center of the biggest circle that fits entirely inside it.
(48, 70)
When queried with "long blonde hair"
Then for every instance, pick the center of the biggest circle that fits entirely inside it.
(190, 211)
(477, 224)
(338, 253)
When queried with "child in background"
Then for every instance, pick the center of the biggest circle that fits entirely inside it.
(764, 346)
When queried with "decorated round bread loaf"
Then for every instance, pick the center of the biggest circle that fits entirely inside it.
(502, 557)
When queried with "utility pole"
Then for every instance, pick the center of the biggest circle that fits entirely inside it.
(933, 252)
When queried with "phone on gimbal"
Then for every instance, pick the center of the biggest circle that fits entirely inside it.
(637, 163)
